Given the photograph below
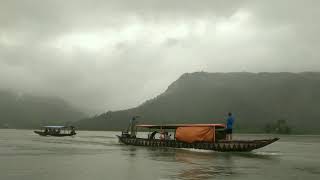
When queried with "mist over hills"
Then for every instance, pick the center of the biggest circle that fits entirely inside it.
(256, 99)
(28, 111)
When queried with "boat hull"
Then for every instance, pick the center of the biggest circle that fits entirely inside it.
(223, 146)
(57, 135)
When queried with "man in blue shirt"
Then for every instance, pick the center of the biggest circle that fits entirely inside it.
(230, 121)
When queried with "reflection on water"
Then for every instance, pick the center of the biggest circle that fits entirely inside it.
(215, 164)
(197, 164)
(98, 155)
(311, 170)
(203, 165)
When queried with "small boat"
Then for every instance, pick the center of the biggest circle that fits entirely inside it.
(58, 131)
(197, 136)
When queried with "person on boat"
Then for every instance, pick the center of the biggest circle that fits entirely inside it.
(132, 126)
(72, 130)
(230, 121)
(152, 135)
(162, 134)
(167, 136)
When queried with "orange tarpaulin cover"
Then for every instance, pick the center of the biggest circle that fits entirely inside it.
(193, 134)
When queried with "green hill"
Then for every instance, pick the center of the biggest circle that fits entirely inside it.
(258, 100)
(26, 111)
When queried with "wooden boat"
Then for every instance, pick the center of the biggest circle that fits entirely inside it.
(58, 131)
(197, 136)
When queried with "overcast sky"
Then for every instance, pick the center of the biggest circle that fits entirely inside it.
(108, 55)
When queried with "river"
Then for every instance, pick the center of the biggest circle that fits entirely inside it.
(97, 155)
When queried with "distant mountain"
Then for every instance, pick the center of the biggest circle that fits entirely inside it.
(256, 99)
(26, 111)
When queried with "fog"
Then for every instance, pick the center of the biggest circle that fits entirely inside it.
(107, 55)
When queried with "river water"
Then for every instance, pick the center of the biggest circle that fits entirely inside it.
(97, 155)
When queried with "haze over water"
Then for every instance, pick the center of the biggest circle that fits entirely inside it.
(98, 155)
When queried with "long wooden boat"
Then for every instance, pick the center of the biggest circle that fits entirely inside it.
(58, 131)
(197, 136)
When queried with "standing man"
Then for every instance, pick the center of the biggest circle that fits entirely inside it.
(230, 121)
(132, 126)
(133, 129)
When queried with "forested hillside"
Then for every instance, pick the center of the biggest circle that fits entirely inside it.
(258, 101)
(26, 111)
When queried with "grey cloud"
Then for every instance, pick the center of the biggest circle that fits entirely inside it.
(148, 44)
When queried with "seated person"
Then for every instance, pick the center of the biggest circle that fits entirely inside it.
(162, 134)
(73, 131)
(167, 136)
(152, 135)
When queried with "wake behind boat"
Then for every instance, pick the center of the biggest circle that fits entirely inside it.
(58, 131)
(197, 136)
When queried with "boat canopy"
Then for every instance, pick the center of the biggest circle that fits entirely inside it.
(54, 127)
(190, 132)
(175, 126)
